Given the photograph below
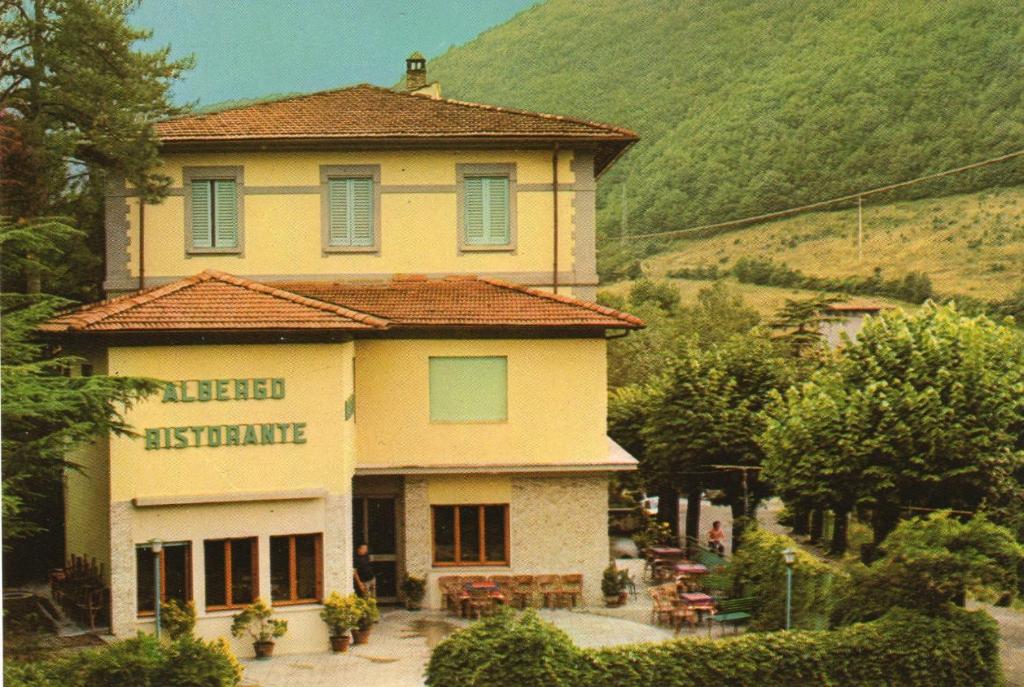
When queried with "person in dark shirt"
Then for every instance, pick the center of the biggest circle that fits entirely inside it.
(362, 571)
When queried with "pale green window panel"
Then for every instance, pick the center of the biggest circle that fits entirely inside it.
(486, 218)
(469, 389)
(350, 212)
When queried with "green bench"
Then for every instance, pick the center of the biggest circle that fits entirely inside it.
(710, 559)
(733, 612)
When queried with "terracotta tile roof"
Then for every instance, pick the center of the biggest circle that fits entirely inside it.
(463, 302)
(366, 112)
(211, 301)
(214, 301)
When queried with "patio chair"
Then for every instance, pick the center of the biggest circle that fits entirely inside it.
(571, 589)
(523, 591)
(505, 585)
(548, 586)
(450, 587)
(481, 603)
(661, 606)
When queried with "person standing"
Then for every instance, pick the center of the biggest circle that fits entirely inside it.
(362, 571)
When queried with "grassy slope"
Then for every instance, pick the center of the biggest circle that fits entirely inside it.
(766, 300)
(969, 244)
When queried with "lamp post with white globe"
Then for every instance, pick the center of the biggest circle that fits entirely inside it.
(789, 556)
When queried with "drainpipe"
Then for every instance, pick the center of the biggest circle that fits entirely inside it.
(554, 203)
(142, 242)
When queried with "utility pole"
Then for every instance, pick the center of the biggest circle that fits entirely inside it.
(860, 228)
(624, 213)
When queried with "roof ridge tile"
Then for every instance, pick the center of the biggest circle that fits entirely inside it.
(570, 300)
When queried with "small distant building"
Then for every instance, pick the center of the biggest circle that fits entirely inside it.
(846, 317)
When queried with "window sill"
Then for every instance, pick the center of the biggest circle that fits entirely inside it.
(487, 249)
(213, 251)
(469, 422)
(334, 250)
(296, 606)
(473, 564)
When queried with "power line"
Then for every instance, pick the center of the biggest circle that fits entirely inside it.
(831, 201)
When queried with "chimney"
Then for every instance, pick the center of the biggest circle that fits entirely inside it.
(415, 72)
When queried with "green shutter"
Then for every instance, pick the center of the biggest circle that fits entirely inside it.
(201, 214)
(350, 212)
(338, 226)
(469, 389)
(473, 201)
(361, 209)
(226, 219)
(486, 214)
(497, 204)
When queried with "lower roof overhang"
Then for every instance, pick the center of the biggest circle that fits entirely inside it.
(618, 460)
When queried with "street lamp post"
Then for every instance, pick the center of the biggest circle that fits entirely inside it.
(789, 556)
(157, 547)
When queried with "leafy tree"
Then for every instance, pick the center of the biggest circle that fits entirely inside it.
(924, 411)
(930, 563)
(661, 294)
(706, 413)
(718, 314)
(78, 104)
(46, 414)
(798, 323)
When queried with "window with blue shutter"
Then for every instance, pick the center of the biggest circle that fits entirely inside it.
(486, 208)
(350, 212)
(214, 213)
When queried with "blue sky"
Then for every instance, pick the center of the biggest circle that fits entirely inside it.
(251, 48)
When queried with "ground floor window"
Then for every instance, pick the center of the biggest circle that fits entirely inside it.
(296, 568)
(175, 574)
(470, 535)
(231, 572)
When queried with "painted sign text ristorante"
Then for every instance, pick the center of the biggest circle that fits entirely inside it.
(213, 436)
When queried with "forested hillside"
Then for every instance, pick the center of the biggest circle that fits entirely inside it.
(745, 107)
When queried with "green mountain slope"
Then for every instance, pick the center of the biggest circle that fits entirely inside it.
(746, 107)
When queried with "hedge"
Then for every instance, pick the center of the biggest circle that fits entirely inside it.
(138, 662)
(902, 649)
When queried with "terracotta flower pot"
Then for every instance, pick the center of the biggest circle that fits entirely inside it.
(360, 636)
(613, 601)
(340, 644)
(263, 649)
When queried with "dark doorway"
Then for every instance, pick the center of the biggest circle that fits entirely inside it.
(374, 522)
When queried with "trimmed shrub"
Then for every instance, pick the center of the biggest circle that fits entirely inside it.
(138, 662)
(757, 569)
(903, 649)
(507, 649)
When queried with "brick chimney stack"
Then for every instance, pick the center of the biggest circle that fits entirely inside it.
(415, 72)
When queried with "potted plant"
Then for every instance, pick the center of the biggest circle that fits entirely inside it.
(413, 589)
(341, 614)
(613, 586)
(255, 619)
(368, 616)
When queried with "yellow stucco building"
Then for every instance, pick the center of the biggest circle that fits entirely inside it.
(369, 312)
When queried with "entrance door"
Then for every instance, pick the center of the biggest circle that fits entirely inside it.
(373, 524)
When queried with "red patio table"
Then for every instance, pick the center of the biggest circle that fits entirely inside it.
(696, 603)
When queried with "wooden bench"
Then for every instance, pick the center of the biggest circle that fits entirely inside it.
(733, 612)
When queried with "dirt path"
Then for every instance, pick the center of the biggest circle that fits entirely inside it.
(1011, 621)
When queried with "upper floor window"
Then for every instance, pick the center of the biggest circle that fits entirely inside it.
(213, 209)
(487, 207)
(351, 208)
(469, 389)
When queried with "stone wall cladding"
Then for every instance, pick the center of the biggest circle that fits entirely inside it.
(559, 524)
(338, 544)
(417, 527)
(122, 570)
(116, 225)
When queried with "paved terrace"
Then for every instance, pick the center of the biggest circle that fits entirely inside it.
(401, 644)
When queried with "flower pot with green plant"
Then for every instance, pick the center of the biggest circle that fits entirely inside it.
(368, 616)
(258, 622)
(613, 585)
(341, 614)
(413, 590)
